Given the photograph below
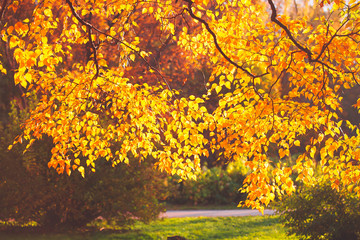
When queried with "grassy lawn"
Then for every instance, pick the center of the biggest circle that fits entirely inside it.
(250, 228)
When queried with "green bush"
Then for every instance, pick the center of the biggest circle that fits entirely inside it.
(30, 191)
(320, 212)
(213, 186)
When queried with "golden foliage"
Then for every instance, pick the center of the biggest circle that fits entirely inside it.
(90, 62)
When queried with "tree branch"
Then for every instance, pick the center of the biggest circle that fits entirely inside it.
(3, 7)
(289, 34)
(189, 10)
(296, 43)
(89, 28)
(324, 47)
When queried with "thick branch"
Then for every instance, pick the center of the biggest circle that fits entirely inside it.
(289, 34)
(296, 43)
(190, 11)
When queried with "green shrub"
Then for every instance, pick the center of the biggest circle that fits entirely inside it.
(30, 191)
(320, 212)
(213, 186)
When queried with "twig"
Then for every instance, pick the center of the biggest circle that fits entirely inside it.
(89, 28)
(3, 7)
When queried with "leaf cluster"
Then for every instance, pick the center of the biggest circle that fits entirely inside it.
(108, 77)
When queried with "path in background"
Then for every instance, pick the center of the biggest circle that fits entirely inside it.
(214, 213)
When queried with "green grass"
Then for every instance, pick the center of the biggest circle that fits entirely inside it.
(249, 228)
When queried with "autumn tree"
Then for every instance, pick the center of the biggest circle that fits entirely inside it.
(116, 98)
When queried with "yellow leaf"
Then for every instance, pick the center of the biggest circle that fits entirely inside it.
(132, 57)
(143, 54)
(312, 152)
(81, 171)
(48, 12)
(230, 77)
(28, 77)
(77, 161)
(23, 83)
(217, 89)
(13, 42)
(112, 32)
(228, 85)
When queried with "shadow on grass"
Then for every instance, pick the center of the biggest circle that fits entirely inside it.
(260, 227)
(75, 236)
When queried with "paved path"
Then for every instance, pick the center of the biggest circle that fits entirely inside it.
(214, 213)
